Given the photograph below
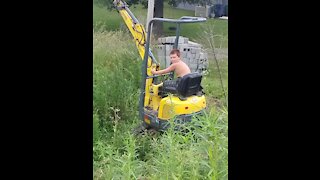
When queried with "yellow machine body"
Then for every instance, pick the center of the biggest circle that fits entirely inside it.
(163, 108)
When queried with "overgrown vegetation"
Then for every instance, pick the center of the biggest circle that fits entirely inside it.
(117, 154)
(116, 76)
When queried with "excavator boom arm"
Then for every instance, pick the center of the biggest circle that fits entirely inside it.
(139, 35)
(136, 29)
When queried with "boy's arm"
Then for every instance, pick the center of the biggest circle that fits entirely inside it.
(168, 69)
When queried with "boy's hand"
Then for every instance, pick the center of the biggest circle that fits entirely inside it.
(154, 68)
(152, 71)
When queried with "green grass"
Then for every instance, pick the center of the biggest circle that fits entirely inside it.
(104, 19)
(110, 20)
(194, 30)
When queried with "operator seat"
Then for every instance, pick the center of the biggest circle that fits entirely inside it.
(186, 86)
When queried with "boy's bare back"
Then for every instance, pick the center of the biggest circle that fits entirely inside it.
(181, 68)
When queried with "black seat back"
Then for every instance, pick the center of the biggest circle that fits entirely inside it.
(189, 84)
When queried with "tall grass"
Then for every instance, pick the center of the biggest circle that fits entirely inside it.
(201, 154)
(116, 77)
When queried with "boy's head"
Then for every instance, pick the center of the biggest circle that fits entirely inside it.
(175, 51)
(175, 55)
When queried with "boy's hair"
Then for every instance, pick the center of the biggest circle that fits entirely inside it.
(175, 51)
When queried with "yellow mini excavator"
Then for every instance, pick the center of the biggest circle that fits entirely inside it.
(158, 105)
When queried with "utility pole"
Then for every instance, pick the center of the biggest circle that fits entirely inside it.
(150, 14)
